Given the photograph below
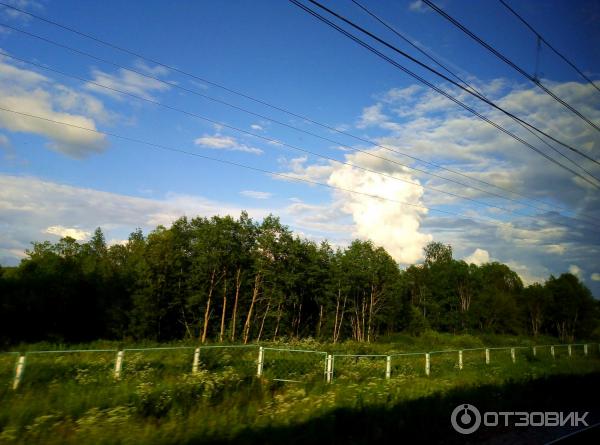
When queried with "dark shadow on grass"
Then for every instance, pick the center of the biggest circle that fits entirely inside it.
(427, 420)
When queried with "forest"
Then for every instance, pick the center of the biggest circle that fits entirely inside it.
(223, 279)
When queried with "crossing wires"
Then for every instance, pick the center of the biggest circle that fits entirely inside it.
(262, 102)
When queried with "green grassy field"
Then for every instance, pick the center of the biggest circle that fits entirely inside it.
(73, 397)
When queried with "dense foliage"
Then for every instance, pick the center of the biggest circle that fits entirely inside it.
(237, 280)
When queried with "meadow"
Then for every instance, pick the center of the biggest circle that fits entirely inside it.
(73, 396)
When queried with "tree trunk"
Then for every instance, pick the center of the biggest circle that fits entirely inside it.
(370, 319)
(238, 283)
(363, 312)
(252, 303)
(339, 328)
(279, 314)
(262, 323)
(224, 311)
(299, 321)
(320, 321)
(207, 311)
(337, 309)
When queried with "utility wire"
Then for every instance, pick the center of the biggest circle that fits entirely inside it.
(257, 169)
(265, 103)
(262, 117)
(458, 78)
(440, 91)
(508, 61)
(432, 70)
(414, 45)
(277, 142)
(540, 37)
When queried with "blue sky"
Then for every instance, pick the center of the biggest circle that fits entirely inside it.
(57, 180)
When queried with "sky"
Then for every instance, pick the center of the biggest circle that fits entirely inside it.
(384, 134)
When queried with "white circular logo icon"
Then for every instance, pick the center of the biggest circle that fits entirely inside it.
(465, 419)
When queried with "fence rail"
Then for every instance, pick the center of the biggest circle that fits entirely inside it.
(265, 362)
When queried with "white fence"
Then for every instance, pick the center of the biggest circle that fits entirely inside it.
(280, 364)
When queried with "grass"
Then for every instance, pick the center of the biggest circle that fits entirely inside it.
(72, 397)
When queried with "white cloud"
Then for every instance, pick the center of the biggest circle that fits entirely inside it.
(576, 270)
(21, 4)
(155, 71)
(28, 92)
(595, 276)
(31, 208)
(558, 249)
(72, 232)
(256, 194)
(389, 223)
(417, 6)
(528, 276)
(326, 219)
(297, 168)
(478, 257)
(372, 115)
(415, 121)
(129, 82)
(256, 127)
(18, 76)
(4, 141)
(115, 241)
(219, 142)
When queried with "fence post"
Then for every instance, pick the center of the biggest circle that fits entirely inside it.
(512, 355)
(427, 363)
(388, 367)
(552, 351)
(585, 349)
(487, 356)
(196, 361)
(534, 351)
(460, 360)
(329, 368)
(19, 371)
(118, 365)
(261, 358)
(570, 351)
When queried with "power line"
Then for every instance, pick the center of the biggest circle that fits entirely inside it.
(508, 62)
(264, 103)
(257, 169)
(265, 118)
(434, 71)
(540, 37)
(278, 142)
(458, 78)
(440, 91)
(413, 44)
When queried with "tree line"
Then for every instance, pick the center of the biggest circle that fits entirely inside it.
(223, 279)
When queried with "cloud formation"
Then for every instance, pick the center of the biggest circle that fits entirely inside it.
(229, 143)
(392, 222)
(28, 92)
(32, 209)
(417, 6)
(254, 194)
(576, 270)
(412, 120)
(478, 257)
(73, 232)
(130, 82)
